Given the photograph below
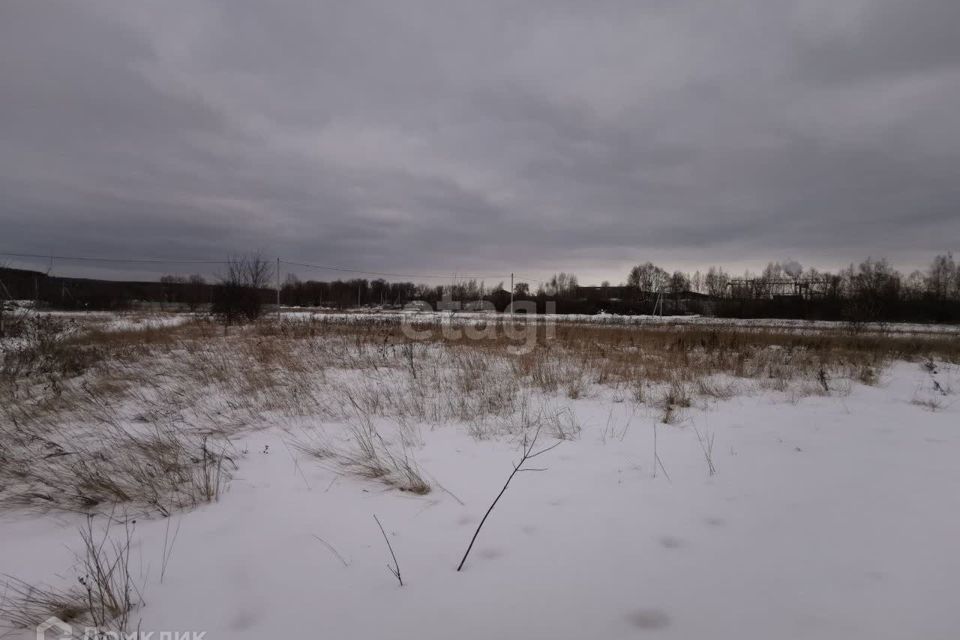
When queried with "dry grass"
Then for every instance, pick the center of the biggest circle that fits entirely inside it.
(152, 467)
(711, 387)
(90, 419)
(930, 404)
(103, 597)
(673, 400)
(24, 606)
(365, 453)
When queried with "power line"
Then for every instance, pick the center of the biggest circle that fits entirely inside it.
(395, 275)
(115, 260)
(171, 261)
(526, 279)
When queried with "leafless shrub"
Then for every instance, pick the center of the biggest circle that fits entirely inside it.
(563, 424)
(111, 593)
(528, 452)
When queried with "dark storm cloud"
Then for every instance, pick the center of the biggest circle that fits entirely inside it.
(445, 136)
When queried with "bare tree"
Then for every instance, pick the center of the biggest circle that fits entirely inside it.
(942, 277)
(874, 290)
(679, 283)
(716, 282)
(562, 285)
(239, 295)
(648, 278)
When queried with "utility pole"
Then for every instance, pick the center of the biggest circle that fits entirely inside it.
(511, 292)
(278, 290)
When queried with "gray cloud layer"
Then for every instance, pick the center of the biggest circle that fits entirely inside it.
(482, 136)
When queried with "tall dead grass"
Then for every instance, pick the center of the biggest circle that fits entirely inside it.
(364, 452)
(105, 592)
(89, 419)
(152, 469)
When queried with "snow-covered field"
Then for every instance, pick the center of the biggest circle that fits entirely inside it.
(765, 510)
(135, 320)
(614, 320)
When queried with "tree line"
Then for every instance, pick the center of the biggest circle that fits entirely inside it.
(871, 290)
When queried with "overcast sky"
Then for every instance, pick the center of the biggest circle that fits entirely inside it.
(484, 136)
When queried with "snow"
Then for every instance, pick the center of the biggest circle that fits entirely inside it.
(135, 320)
(828, 517)
(615, 320)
